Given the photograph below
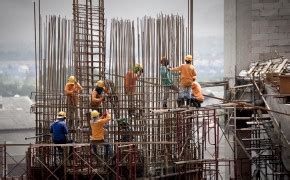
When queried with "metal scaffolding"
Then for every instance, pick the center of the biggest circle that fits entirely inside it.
(187, 143)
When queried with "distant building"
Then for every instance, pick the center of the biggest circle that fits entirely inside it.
(16, 123)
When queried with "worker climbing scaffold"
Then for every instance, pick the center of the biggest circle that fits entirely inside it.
(130, 86)
(72, 90)
(98, 95)
(187, 77)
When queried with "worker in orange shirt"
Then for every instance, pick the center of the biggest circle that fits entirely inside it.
(197, 97)
(98, 94)
(72, 89)
(187, 77)
(130, 85)
(98, 131)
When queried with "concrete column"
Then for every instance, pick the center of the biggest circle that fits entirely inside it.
(230, 38)
(238, 31)
(244, 35)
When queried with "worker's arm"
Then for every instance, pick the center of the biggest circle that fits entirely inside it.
(175, 69)
(194, 72)
(96, 99)
(105, 118)
(79, 88)
(106, 90)
(137, 75)
(67, 91)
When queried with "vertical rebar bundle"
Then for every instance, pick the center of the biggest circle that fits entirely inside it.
(54, 65)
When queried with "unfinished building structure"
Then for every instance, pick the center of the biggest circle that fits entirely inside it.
(177, 143)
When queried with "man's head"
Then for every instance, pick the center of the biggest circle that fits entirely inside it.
(188, 59)
(137, 68)
(71, 80)
(61, 115)
(95, 114)
(164, 61)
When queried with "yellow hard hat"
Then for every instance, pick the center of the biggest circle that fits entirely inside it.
(71, 80)
(101, 84)
(137, 68)
(188, 58)
(61, 114)
(94, 114)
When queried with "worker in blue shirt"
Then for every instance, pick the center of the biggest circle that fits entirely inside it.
(59, 130)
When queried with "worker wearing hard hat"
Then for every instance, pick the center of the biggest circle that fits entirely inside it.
(72, 89)
(131, 78)
(130, 81)
(98, 94)
(59, 130)
(97, 124)
(125, 130)
(187, 77)
(166, 80)
(197, 97)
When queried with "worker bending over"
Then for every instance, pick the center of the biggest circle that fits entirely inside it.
(187, 76)
(166, 80)
(197, 97)
(130, 82)
(98, 95)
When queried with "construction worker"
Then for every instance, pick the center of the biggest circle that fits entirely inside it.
(130, 85)
(72, 89)
(59, 130)
(98, 132)
(187, 76)
(125, 129)
(166, 80)
(98, 94)
(197, 97)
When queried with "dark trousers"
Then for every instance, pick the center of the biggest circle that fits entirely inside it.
(108, 148)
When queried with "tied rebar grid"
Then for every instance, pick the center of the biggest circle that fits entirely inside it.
(173, 133)
(192, 151)
(89, 57)
(54, 64)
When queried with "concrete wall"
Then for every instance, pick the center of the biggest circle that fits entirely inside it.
(254, 29)
(271, 28)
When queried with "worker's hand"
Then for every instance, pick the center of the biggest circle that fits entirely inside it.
(106, 112)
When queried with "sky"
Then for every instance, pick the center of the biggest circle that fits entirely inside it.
(16, 16)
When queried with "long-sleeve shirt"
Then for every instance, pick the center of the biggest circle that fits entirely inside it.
(166, 76)
(130, 82)
(187, 74)
(70, 88)
(98, 131)
(97, 98)
(197, 92)
(59, 130)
